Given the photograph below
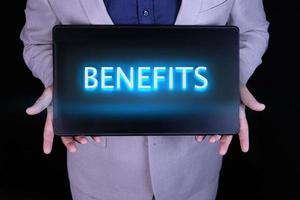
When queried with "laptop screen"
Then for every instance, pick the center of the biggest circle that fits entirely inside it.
(146, 80)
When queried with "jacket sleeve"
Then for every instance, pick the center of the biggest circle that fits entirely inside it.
(37, 38)
(249, 16)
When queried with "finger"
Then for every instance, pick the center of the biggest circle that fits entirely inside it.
(224, 144)
(96, 139)
(70, 143)
(244, 131)
(81, 139)
(249, 100)
(42, 102)
(200, 138)
(48, 135)
(214, 138)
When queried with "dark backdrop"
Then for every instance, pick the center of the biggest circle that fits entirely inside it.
(271, 170)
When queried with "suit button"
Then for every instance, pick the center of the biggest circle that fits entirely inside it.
(145, 13)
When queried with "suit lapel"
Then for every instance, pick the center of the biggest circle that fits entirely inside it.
(96, 11)
(188, 12)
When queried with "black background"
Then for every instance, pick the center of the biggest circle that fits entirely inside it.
(271, 169)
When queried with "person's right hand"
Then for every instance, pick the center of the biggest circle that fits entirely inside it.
(45, 102)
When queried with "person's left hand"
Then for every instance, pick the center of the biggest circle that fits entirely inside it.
(247, 99)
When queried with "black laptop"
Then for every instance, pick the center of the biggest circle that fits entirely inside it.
(146, 80)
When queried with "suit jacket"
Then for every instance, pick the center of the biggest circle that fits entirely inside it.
(174, 168)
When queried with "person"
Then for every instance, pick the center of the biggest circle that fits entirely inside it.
(138, 168)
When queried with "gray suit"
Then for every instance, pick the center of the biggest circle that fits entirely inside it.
(135, 168)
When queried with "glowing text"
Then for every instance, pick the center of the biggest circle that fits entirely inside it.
(145, 78)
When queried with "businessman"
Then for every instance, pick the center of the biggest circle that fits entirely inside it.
(138, 168)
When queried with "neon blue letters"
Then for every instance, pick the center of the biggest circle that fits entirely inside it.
(145, 78)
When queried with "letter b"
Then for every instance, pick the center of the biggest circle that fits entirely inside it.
(90, 81)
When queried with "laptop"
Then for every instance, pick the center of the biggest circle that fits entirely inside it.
(145, 80)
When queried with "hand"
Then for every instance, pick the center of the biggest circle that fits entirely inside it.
(247, 99)
(45, 102)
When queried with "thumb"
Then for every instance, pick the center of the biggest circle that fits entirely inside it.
(249, 100)
(42, 102)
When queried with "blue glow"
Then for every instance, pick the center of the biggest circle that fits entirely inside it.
(184, 71)
(122, 76)
(90, 79)
(142, 78)
(201, 78)
(106, 78)
(171, 83)
(144, 109)
(156, 77)
(148, 77)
